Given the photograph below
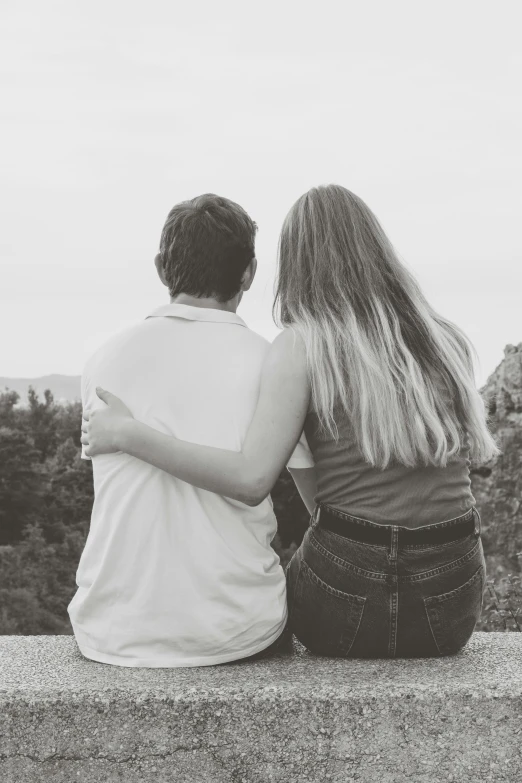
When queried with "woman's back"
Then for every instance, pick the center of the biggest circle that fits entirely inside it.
(410, 497)
(392, 563)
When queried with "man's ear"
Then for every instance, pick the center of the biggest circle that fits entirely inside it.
(158, 261)
(248, 275)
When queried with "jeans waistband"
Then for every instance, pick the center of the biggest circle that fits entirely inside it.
(357, 529)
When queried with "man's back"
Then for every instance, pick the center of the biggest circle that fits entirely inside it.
(172, 575)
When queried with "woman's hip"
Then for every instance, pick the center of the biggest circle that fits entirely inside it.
(350, 597)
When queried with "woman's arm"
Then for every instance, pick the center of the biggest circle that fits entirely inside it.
(248, 475)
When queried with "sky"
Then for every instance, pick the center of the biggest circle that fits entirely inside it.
(111, 112)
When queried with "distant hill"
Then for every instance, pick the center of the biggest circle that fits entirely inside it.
(64, 387)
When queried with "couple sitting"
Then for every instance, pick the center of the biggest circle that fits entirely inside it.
(367, 395)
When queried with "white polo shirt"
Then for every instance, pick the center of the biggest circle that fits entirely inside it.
(172, 575)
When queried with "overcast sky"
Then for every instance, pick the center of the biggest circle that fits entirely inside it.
(111, 112)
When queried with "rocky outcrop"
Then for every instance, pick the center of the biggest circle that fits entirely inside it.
(497, 485)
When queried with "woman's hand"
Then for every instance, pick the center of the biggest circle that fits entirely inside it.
(102, 428)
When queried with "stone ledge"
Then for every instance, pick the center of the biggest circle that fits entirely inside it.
(290, 718)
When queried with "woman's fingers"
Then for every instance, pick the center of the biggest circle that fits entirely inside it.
(104, 395)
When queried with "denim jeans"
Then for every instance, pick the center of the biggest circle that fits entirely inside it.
(349, 598)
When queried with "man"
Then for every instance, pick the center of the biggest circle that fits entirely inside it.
(172, 575)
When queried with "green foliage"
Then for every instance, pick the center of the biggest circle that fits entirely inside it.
(502, 605)
(46, 497)
(40, 423)
(22, 483)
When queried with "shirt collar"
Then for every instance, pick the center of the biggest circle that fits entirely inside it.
(191, 313)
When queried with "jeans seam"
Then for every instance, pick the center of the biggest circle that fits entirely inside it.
(439, 599)
(431, 628)
(442, 569)
(433, 547)
(332, 590)
(357, 629)
(356, 602)
(377, 575)
(431, 604)
(403, 547)
(381, 576)
(394, 591)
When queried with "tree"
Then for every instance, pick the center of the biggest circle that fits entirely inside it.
(33, 590)
(8, 400)
(69, 497)
(41, 423)
(22, 483)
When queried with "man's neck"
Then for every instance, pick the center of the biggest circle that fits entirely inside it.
(208, 302)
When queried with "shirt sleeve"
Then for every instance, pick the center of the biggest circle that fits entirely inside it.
(302, 456)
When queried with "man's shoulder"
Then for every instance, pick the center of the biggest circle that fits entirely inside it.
(112, 345)
(254, 342)
(256, 338)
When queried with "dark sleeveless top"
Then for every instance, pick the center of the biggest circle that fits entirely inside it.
(410, 497)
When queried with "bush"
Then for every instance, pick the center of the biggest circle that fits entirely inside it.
(46, 497)
(502, 604)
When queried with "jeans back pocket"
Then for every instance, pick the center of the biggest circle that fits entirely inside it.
(452, 616)
(324, 619)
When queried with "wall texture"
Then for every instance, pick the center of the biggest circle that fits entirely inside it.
(294, 717)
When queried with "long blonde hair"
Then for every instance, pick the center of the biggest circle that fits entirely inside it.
(376, 351)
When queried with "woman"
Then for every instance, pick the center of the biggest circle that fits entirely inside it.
(392, 564)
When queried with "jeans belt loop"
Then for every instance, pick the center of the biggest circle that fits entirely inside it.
(394, 543)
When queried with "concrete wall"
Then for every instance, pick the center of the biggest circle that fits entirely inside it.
(291, 718)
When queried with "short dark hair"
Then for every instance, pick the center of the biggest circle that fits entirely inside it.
(206, 245)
